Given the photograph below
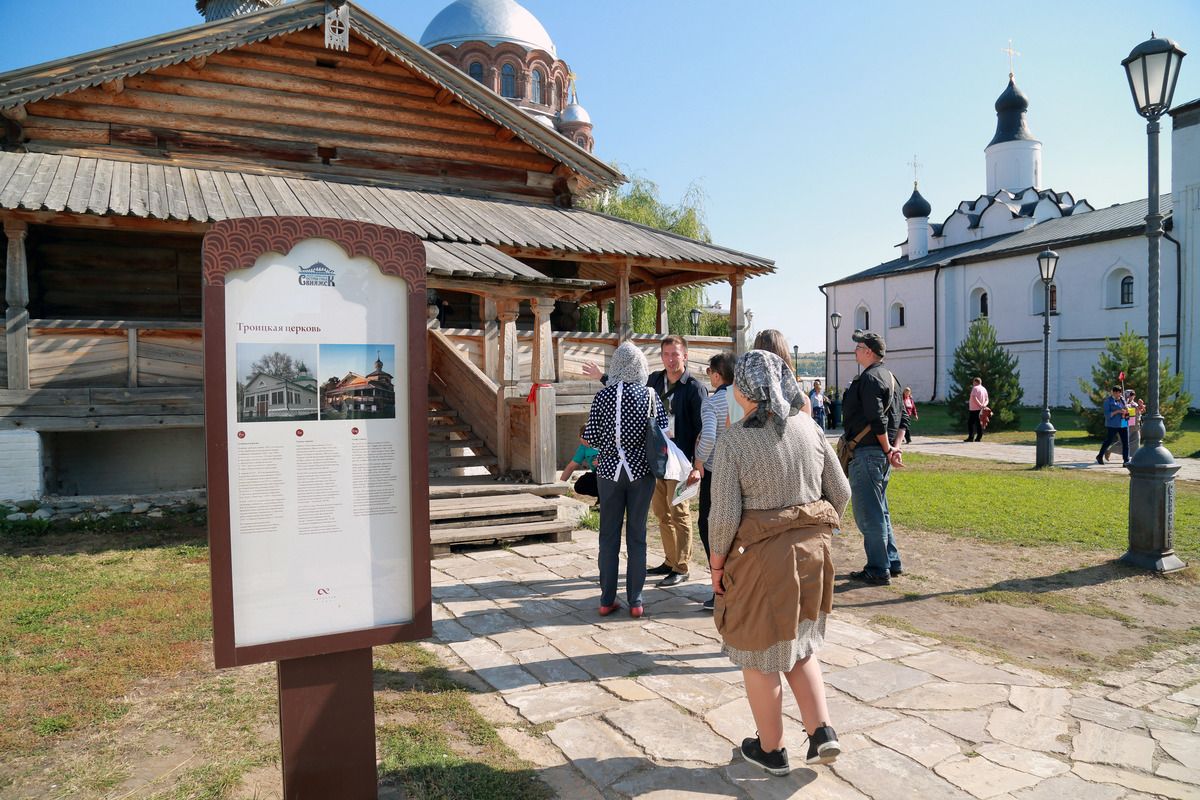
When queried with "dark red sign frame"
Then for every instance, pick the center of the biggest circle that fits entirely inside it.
(236, 244)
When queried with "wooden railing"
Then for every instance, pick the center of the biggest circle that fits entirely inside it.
(103, 353)
(475, 396)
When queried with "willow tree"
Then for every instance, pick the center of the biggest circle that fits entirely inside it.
(639, 202)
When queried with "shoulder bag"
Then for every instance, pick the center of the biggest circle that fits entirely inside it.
(658, 454)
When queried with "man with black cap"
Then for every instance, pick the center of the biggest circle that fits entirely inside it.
(873, 408)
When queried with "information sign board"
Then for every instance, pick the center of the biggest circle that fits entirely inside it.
(315, 411)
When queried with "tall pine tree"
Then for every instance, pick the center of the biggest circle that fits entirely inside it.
(979, 355)
(1129, 354)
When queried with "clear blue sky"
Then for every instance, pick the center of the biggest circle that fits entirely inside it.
(798, 119)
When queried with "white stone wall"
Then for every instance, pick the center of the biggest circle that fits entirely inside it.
(1084, 319)
(1014, 165)
(21, 465)
(1185, 187)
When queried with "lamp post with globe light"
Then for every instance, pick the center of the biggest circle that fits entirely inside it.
(1047, 263)
(835, 403)
(694, 314)
(1152, 69)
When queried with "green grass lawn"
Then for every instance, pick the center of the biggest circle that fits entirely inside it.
(935, 420)
(1014, 504)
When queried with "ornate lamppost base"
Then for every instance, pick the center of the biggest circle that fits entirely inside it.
(1045, 445)
(1152, 512)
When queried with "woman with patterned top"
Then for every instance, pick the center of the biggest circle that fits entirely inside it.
(712, 422)
(778, 492)
(616, 427)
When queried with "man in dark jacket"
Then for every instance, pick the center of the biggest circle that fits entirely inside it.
(683, 396)
(873, 403)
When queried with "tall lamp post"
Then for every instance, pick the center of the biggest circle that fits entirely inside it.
(1152, 69)
(796, 359)
(694, 314)
(1047, 263)
(835, 319)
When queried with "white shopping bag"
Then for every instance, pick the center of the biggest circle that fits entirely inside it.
(678, 465)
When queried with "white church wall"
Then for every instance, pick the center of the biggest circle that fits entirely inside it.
(1185, 186)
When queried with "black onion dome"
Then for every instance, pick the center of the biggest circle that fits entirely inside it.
(917, 206)
(1011, 106)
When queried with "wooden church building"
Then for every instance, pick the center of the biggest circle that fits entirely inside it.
(116, 162)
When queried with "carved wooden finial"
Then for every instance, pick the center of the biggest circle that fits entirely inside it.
(337, 25)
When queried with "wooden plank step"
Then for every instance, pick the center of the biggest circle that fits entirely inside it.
(485, 486)
(484, 522)
(463, 461)
(436, 398)
(458, 427)
(448, 536)
(443, 447)
(448, 413)
(462, 507)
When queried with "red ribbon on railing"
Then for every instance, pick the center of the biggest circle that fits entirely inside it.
(532, 398)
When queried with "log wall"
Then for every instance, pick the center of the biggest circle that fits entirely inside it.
(290, 102)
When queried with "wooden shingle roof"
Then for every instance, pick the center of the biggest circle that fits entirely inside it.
(153, 190)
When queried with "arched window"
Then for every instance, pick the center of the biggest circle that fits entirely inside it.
(1118, 288)
(535, 87)
(862, 318)
(560, 101)
(1054, 298)
(476, 71)
(897, 320)
(1127, 290)
(508, 81)
(979, 303)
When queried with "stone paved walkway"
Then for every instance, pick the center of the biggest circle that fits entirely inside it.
(619, 708)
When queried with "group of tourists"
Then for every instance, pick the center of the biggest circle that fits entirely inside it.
(772, 492)
(1122, 410)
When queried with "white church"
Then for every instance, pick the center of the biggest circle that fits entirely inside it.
(981, 261)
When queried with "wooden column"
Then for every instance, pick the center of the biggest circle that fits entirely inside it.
(507, 311)
(16, 295)
(661, 324)
(543, 440)
(624, 308)
(603, 308)
(491, 338)
(132, 366)
(737, 318)
(543, 341)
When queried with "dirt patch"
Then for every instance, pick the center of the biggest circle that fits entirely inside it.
(1057, 609)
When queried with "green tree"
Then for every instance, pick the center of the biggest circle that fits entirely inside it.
(639, 202)
(1128, 353)
(277, 364)
(979, 355)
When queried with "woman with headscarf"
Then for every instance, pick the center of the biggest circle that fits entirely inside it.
(778, 492)
(616, 427)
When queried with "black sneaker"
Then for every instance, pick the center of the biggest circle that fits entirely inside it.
(775, 762)
(710, 603)
(662, 569)
(896, 572)
(823, 746)
(868, 578)
(674, 579)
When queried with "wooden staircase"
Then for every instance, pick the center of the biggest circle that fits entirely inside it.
(481, 509)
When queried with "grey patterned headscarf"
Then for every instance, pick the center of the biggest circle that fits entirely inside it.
(766, 379)
(628, 365)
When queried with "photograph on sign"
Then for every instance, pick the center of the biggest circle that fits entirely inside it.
(275, 382)
(320, 522)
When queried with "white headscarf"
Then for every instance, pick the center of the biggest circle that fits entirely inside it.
(628, 365)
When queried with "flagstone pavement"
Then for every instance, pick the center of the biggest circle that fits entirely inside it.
(619, 708)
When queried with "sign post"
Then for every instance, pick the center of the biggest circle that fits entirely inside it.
(315, 399)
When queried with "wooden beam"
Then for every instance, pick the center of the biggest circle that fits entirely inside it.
(491, 337)
(720, 270)
(543, 343)
(661, 322)
(115, 86)
(377, 56)
(737, 319)
(112, 223)
(624, 307)
(132, 367)
(640, 287)
(198, 63)
(504, 134)
(17, 113)
(444, 97)
(16, 295)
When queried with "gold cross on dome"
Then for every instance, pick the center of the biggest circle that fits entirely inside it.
(916, 165)
(1011, 53)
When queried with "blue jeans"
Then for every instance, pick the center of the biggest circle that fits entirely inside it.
(819, 416)
(623, 502)
(1110, 435)
(869, 474)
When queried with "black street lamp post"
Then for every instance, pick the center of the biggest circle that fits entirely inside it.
(694, 314)
(796, 359)
(1047, 263)
(1152, 69)
(835, 319)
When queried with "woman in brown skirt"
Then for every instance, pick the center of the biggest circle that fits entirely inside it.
(778, 493)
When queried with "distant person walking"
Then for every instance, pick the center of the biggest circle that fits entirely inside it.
(616, 427)
(778, 493)
(1116, 425)
(910, 413)
(816, 399)
(712, 417)
(976, 402)
(873, 410)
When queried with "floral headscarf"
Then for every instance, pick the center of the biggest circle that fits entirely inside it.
(766, 379)
(628, 365)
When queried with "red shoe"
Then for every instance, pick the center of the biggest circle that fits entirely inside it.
(606, 610)
(637, 612)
